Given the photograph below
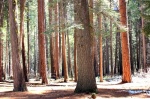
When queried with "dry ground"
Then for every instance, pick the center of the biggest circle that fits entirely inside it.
(110, 88)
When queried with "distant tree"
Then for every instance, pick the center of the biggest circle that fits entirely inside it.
(41, 38)
(56, 42)
(1, 25)
(64, 56)
(75, 45)
(86, 77)
(126, 76)
(100, 48)
(19, 81)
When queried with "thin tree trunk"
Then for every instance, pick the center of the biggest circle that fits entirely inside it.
(1, 25)
(101, 48)
(28, 37)
(111, 48)
(69, 57)
(75, 45)
(64, 60)
(144, 49)
(1, 67)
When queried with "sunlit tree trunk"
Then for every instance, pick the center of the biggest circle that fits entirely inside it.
(69, 57)
(19, 81)
(86, 77)
(126, 76)
(41, 38)
(100, 48)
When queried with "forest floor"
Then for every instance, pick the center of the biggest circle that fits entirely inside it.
(56, 89)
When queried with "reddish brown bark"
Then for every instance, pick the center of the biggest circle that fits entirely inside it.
(41, 38)
(56, 43)
(126, 76)
(101, 49)
(22, 6)
(64, 60)
(19, 81)
(75, 45)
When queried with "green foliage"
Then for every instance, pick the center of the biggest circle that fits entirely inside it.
(145, 12)
(146, 29)
(133, 8)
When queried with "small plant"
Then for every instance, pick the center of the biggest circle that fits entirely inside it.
(93, 96)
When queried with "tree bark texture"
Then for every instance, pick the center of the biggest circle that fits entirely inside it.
(19, 81)
(64, 58)
(100, 48)
(75, 44)
(86, 77)
(22, 6)
(126, 77)
(41, 38)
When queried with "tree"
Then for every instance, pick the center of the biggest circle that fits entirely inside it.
(126, 76)
(41, 38)
(101, 48)
(86, 77)
(22, 6)
(75, 45)
(56, 42)
(19, 81)
(64, 60)
(1, 25)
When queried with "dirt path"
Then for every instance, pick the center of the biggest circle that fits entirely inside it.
(110, 88)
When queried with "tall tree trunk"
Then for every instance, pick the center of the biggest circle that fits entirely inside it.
(22, 6)
(126, 77)
(35, 53)
(111, 42)
(19, 81)
(56, 42)
(116, 54)
(64, 60)
(41, 38)
(69, 57)
(75, 44)
(1, 25)
(100, 48)
(1, 67)
(107, 55)
(130, 40)
(144, 49)
(86, 77)
(28, 37)
(52, 47)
